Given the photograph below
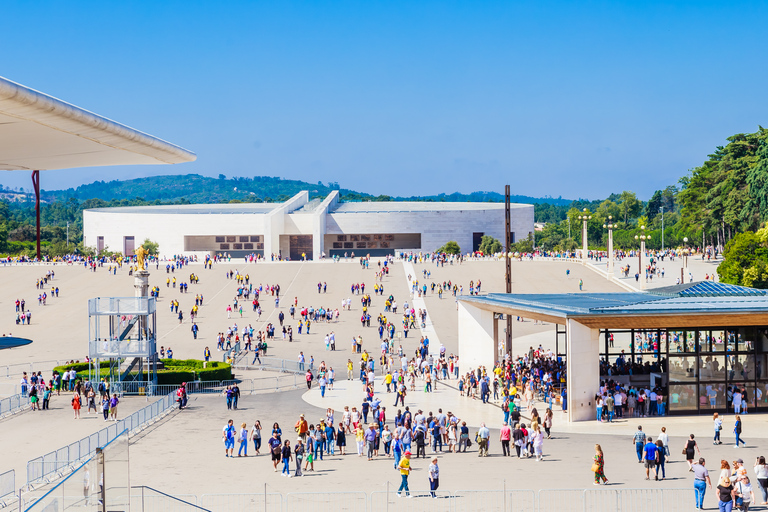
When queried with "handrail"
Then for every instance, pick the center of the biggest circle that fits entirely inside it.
(193, 505)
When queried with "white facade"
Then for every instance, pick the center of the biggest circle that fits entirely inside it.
(301, 227)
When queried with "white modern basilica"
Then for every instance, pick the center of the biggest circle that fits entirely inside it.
(301, 227)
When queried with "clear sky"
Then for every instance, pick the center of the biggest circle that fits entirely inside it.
(578, 99)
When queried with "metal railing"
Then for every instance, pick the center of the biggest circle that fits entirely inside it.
(17, 370)
(281, 382)
(147, 499)
(62, 461)
(13, 404)
(509, 500)
(7, 484)
(272, 363)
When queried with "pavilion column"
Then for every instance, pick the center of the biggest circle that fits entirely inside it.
(583, 367)
(479, 346)
(36, 185)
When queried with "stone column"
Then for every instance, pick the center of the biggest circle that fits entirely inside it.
(141, 283)
(583, 365)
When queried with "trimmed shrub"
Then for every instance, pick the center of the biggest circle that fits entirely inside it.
(176, 371)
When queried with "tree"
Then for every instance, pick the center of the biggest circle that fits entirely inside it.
(525, 245)
(451, 247)
(150, 246)
(629, 205)
(489, 245)
(744, 260)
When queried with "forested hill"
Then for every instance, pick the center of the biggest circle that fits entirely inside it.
(193, 188)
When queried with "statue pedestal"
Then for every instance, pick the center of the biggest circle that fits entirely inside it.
(141, 283)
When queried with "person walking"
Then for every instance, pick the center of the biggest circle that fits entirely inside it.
(700, 482)
(690, 451)
(76, 405)
(405, 468)
(256, 436)
(598, 466)
(650, 455)
(737, 431)
(298, 450)
(718, 427)
(243, 438)
(483, 436)
(286, 454)
(726, 495)
(661, 460)
(504, 436)
(745, 496)
(434, 477)
(639, 440)
(228, 435)
(761, 473)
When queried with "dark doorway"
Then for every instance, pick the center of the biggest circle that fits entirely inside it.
(301, 244)
(476, 239)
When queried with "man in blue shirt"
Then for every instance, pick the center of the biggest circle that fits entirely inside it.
(650, 454)
(437, 437)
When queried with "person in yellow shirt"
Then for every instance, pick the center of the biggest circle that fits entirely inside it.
(388, 382)
(350, 369)
(405, 469)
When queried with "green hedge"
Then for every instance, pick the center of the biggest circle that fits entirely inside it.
(176, 370)
(78, 367)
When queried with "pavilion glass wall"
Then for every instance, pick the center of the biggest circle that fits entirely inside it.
(700, 367)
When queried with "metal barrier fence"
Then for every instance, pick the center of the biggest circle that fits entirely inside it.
(337, 501)
(266, 502)
(13, 404)
(17, 370)
(62, 461)
(147, 499)
(510, 500)
(271, 363)
(7, 484)
(279, 382)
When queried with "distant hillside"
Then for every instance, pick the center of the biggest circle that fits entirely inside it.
(193, 188)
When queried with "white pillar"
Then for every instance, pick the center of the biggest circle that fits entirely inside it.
(141, 283)
(477, 346)
(610, 254)
(583, 366)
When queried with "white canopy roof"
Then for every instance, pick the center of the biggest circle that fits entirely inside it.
(40, 132)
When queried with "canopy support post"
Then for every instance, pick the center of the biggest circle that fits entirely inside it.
(36, 185)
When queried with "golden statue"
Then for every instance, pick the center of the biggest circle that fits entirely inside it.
(141, 253)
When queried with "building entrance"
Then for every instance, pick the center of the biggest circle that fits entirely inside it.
(300, 245)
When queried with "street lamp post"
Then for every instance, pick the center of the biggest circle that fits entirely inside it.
(684, 270)
(662, 229)
(610, 225)
(642, 237)
(584, 218)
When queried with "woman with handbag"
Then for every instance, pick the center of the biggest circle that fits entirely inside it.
(718, 427)
(745, 496)
(690, 451)
(598, 466)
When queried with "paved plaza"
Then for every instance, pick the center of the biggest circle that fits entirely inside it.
(183, 454)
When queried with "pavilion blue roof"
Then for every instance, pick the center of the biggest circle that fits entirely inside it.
(691, 298)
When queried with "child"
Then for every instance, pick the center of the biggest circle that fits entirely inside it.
(105, 407)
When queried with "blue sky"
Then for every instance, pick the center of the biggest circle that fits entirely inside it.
(572, 99)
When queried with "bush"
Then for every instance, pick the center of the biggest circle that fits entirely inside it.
(451, 247)
(176, 370)
(78, 367)
(489, 245)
